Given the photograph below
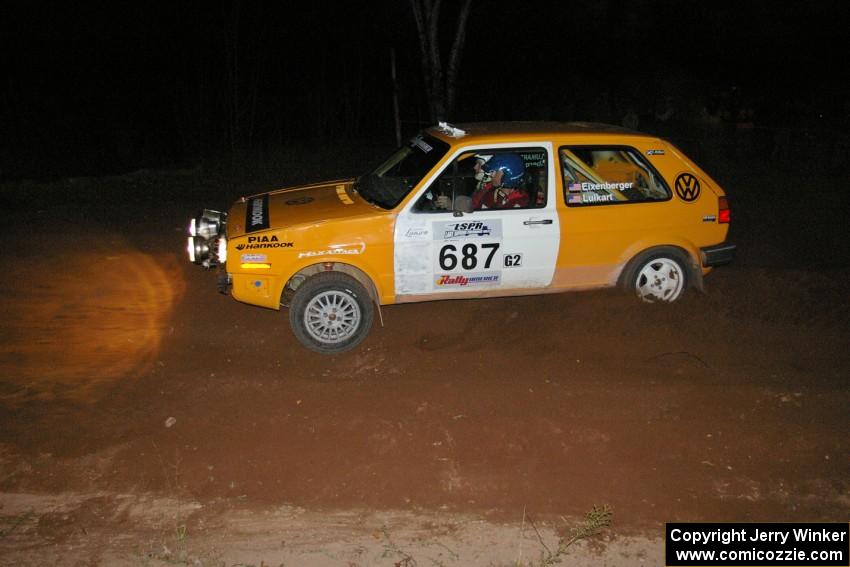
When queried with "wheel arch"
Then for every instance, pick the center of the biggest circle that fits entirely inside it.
(364, 279)
(688, 252)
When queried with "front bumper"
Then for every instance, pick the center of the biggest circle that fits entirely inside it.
(717, 255)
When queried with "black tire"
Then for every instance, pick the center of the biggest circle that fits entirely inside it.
(340, 313)
(658, 275)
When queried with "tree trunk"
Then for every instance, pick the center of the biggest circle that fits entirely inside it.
(440, 83)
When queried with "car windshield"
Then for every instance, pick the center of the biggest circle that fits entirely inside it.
(390, 182)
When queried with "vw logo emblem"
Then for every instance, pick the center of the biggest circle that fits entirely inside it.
(687, 187)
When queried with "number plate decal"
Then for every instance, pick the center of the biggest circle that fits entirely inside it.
(467, 254)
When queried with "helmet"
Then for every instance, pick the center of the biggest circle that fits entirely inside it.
(510, 164)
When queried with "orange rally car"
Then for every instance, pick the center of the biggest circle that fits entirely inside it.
(471, 211)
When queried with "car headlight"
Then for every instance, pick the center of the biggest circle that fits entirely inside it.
(199, 250)
(207, 244)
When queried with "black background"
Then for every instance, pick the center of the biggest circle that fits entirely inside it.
(107, 87)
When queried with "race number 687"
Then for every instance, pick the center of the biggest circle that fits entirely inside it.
(468, 256)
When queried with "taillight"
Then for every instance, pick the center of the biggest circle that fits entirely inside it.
(724, 214)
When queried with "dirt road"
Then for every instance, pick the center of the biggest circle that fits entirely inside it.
(143, 416)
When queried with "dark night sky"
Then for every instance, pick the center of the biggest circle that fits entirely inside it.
(115, 84)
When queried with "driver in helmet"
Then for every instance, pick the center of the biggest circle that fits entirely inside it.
(500, 186)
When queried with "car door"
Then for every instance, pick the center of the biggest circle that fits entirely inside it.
(490, 251)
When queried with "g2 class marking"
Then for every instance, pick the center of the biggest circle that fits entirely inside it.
(512, 260)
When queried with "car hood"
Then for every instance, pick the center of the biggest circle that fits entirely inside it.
(306, 204)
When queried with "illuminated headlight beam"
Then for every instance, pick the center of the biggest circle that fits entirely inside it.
(190, 248)
(221, 252)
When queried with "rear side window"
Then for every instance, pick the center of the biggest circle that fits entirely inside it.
(608, 175)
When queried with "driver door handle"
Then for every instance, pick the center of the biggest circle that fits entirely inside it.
(530, 222)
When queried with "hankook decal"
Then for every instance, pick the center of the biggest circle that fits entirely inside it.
(259, 242)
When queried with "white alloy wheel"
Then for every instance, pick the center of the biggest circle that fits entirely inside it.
(660, 279)
(331, 313)
(332, 317)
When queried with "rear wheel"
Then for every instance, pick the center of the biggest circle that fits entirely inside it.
(659, 275)
(331, 312)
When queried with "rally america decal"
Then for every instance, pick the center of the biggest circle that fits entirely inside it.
(464, 280)
(257, 214)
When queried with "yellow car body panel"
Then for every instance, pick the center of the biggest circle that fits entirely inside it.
(329, 226)
(309, 225)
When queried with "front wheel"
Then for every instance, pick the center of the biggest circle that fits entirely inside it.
(658, 276)
(330, 313)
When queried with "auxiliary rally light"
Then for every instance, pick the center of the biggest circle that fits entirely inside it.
(206, 244)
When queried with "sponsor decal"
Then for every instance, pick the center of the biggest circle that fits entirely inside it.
(343, 196)
(655, 152)
(446, 280)
(255, 242)
(332, 252)
(257, 214)
(468, 229)
(536, 159)
(709, 218)
(259, 258)
(687, 187)
(300, 201)
(416, 232)
(605, 186)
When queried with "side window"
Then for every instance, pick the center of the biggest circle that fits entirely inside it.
(490, 179)
(609, 175)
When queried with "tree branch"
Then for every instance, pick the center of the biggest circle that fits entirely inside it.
(454, 56)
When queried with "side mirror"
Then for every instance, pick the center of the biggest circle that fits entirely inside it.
(462, 204)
